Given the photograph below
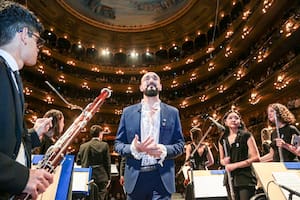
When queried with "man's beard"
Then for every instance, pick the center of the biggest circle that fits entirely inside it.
(151, 91)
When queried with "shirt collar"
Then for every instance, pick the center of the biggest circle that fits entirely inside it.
(12, 63)
(145, 106)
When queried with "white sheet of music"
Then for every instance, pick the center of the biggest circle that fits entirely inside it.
(80, 180)
(209, 186)
(114, 169)
(290, 180)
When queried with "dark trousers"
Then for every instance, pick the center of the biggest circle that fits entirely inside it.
(189, 192)
(98, 191)
(149, 187)
(242, 193)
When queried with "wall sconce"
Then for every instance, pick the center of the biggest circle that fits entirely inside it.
(129, 90)
(188, 61)
(118, 111)
(193, 76)
(210, 49)
(143, 71)
(254, 98)
(85, 85)
(266, 5)
(120, 72)
(240, 73)
(229, 33)
(262, 54)
(184, 104)
(203, 98)
(290, 26)
(174, 84)
(61, 79)
(49, 99)
(246, 14)
(228, 51)
(47, 52)
(221, 88)
(95, 69)
(246, 31)
(27, 91)
(71, 62)
(211, 66)
(166, 68)
(41, 69)
(281, 82)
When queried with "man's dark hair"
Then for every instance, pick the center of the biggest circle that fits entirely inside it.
(95, 130)
(13, 18)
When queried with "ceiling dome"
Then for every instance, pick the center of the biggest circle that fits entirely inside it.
(129, 24)
(128, 14)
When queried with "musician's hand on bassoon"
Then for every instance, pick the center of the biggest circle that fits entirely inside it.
(42, 125)
(39, 180)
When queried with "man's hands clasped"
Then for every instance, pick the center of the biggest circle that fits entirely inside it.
(148, 146)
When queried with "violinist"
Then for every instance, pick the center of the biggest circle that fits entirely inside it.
(198, 157)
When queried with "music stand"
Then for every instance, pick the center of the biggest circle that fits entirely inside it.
(61, 187)
(81, 178)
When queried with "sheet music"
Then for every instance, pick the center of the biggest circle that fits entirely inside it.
(290, 180)
(114, 169)
(209, 186)
(80, 180)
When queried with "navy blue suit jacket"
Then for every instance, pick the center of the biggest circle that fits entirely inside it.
(170, 136)
(13, 176)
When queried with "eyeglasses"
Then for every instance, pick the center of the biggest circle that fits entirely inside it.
(39, 41)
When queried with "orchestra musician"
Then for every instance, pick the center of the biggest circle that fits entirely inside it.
(242, 151)
(95, 154)
(19, 46)
(198, 159)
(285, 119)
(203, 156)
(54, 132)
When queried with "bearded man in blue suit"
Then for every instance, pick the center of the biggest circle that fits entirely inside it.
(150, 137)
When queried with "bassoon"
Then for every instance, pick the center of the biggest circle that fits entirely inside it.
(281, 159)
(229, 177)
(56, 152)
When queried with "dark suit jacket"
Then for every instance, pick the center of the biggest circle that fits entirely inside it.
(170, 135)
(13, 176)
(95, 154)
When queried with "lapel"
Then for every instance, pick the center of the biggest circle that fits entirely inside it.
(16, 106)
(137, 112)
(18, 97)
(17, 103)
(163, 120)
(20, 89)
